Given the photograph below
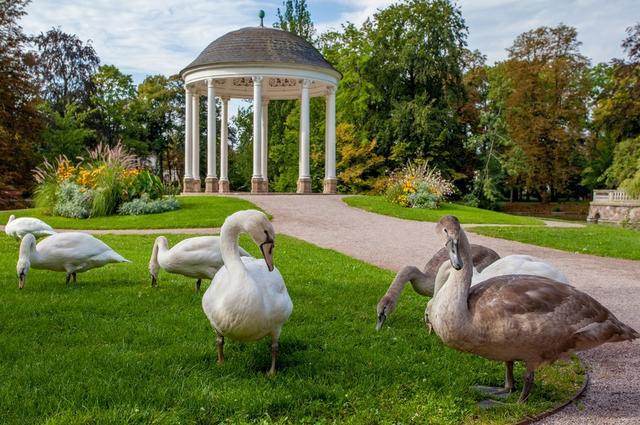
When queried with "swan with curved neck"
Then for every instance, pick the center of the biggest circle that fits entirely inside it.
(423, 282)
(71, 252)
(247, 299)
(515, 317)
(198, 257)
(18, 227)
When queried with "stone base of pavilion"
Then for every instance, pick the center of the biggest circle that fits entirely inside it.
(258, 186)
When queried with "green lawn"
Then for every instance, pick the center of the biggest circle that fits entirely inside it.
(603, 240)
(111, 349)
(467, 215)
(195, 211)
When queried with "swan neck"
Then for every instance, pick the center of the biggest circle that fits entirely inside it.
(459, 281)
(159, 246)
(28, 249)
(229, 244)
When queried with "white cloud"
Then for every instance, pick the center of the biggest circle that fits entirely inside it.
(162, 36)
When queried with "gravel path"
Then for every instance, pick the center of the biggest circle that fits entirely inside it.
(613, 395)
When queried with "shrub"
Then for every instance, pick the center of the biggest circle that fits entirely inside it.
(144, 205)
(73, 200)
(417, 185)
(108, 175)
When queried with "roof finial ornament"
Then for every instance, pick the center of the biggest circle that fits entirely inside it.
(261, 16)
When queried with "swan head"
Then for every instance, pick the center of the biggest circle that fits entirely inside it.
(258, 226)
(386, 305)
(24, 262)
(21, 270)
(449, 229)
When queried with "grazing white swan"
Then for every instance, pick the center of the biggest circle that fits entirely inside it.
(198, 257)
(71, 252)
(18, 227)
(247, 299)
(515, 317)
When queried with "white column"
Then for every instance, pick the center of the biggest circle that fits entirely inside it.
(330, 142)
(188, 172)
(265, 144)
(304, 176)
(256, 179)
(211, 181)
(224, 146)
(195, 153)
(211, 129)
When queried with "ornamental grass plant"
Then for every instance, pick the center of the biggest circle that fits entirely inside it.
(97, 185)
(417, 185)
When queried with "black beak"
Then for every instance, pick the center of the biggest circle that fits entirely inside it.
(21, 279)
(381, 318)
(266, 248)
(452, 246)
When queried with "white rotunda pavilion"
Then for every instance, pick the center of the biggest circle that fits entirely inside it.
(261, 64)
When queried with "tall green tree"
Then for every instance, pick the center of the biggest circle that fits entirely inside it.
(617, 115)
(158, 103)
(64, 68)
(66, 134)
(20, 122)
(117, 116)
(547, 108)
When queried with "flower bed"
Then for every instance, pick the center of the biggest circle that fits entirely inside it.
(104, 183)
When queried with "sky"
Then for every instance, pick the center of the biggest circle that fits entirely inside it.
(144, 37)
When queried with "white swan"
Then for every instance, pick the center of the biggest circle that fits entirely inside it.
(18, 227)
(198, 257)
(247, 299)
(511, 264)
(71, 252)
(516, 317)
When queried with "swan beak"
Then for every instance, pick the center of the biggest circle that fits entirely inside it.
(267, 253)
(381, 318)
(21, 280)
(153, 281)
(454, 256)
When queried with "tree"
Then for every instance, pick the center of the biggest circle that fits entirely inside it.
(296, 19)
(66, 134)
(117, 117)
(158, 100)
(617, 116)
(547, 108)
(20, 123)
(65, 67)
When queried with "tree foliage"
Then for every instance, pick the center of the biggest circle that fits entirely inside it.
(20, 122)
(64, 68)
(546, 110)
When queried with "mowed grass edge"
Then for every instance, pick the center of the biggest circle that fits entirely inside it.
(467, 215)
(111, 349)
(601, 240)
(194, 212)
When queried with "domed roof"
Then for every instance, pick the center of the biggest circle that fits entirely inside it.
(260, 45)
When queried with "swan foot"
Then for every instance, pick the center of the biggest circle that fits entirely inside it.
(220, 348)
(68, 279)
(489, 404)
(274, 355)
(74, 277)
(198, 284)
(498, 392)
